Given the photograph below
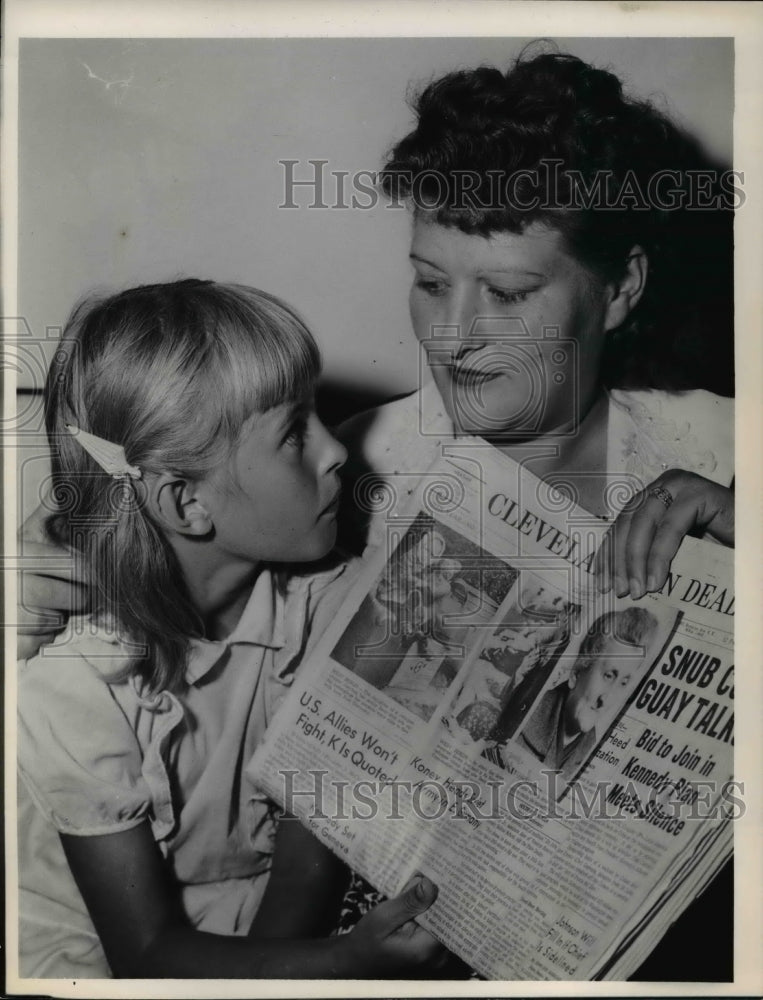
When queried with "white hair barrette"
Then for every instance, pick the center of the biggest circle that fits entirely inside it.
(110, 457)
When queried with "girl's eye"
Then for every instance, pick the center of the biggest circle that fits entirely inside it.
(295, 437)
(507, 298)
(431, 286)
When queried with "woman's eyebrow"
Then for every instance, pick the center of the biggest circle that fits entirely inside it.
(423, 260)
(514, 271)
(520, 272)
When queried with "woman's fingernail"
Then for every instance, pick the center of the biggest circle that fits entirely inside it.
(636, 590)
(651, 582)
(621, 587)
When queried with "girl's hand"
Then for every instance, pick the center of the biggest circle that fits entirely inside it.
(638, 549)
(133, 900)
(387, 940)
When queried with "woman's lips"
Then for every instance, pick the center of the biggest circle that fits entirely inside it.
(480, 370)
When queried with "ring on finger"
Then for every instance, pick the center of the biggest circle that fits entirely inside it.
(662, 494)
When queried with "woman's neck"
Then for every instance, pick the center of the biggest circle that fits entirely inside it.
(580, 451)
(218, 585)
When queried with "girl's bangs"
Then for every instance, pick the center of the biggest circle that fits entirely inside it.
(265, 355)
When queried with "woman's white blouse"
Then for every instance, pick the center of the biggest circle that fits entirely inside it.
(648, 431)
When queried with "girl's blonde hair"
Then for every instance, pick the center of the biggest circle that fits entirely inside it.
(171, 372)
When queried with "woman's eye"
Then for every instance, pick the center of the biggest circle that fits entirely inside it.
(505, 297)
(430, 286)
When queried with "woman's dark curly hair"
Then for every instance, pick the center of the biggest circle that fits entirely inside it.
(555, 141)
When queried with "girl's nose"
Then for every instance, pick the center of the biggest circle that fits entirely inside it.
(334, 453)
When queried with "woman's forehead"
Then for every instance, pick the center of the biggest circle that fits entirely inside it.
(539, 251)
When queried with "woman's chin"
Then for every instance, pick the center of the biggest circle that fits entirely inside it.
(483, 411)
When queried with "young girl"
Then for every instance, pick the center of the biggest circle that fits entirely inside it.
(187, 456)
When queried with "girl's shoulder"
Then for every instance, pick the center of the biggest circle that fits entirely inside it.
(78, 751)
(86, 651)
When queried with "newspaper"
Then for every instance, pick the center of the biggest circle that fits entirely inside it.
(558, 761)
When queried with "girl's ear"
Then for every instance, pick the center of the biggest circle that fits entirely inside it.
(628, 290)
(174, 504)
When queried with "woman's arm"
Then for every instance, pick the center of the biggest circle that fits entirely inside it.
(135, 908)
(640, 546)
(305, 889)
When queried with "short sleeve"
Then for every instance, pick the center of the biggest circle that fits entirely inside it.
(77, 753)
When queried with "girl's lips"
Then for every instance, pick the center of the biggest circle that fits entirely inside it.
(333, 506)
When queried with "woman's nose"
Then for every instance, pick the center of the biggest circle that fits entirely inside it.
(476, 327)
(461, 312)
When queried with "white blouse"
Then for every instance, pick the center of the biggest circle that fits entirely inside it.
(648, 431)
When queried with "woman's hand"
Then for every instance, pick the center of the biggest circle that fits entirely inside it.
(638, 549)
(48, 588)
(48, 594)
(387, 941)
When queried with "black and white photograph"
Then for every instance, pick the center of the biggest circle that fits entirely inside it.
(256, 257)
